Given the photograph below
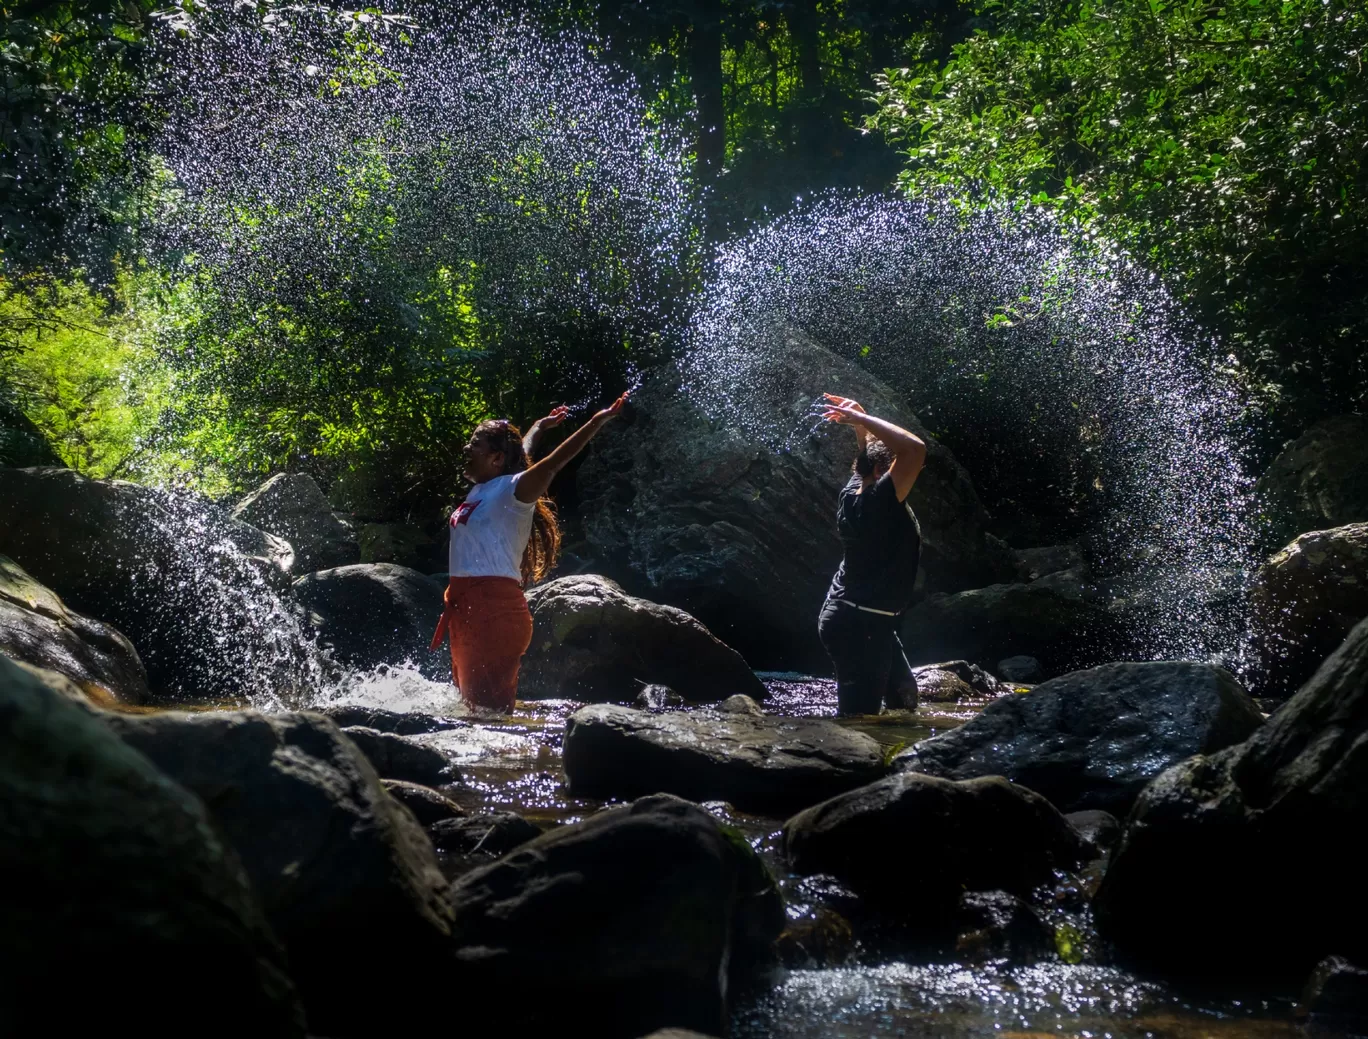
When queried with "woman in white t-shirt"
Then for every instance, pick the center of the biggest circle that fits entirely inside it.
(503, 537)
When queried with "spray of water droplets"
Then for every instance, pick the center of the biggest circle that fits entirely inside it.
(1000, 326)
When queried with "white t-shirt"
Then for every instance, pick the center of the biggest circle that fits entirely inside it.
(489, 531)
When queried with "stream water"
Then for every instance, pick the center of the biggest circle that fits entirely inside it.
(513, 763)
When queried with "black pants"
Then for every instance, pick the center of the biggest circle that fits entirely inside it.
(871, 669)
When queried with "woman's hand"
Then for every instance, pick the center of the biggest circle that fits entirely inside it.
(844, 402)
(558, 415)
(612, 410)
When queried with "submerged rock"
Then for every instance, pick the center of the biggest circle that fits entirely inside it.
(376, 613)
(1271, 828)
(493, 833)
(993, 925)
(292, 506)
(1306, 599)
(640, 917)
(394, 757)
(1320, 480)
(115, 875)
(933, 837)
(401, 723)
(347, 877)
(757, 762)
(955, 680)
(592, 641)
(693, 513)
(176, 575)
(1095, 738)
(1054, 619)
(37, 628)
(427, 805)
(1100, 829)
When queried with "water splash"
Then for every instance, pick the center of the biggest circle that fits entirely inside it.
(1050, 363)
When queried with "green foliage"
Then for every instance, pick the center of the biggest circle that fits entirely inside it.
(1222, 142)
(80, 368)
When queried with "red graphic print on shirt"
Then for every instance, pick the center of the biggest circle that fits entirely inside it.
(463, 511)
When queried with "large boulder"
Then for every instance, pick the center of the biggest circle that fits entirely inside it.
(345, 874)
(1246, 863)
(691, 511)
(757, 762)
(934, 837)
(376, 613)
(592, 641)
(1057, 619)
(1095, 738)
(639, 917)
(37, 628)
(114, 878)
(1320, 480)
(1306, 599)
(292, 506)
(189, 586)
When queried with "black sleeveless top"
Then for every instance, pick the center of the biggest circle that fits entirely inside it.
(882, 542)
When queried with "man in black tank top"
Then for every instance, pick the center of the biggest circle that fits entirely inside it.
(858, 624)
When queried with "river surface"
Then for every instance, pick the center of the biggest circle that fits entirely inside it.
(513, 762)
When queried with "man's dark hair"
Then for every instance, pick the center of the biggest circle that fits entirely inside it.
(874, 455)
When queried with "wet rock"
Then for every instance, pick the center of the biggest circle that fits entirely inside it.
(1034, 563)
(114, 875)
(740, 704)
(677, 1033)
(493, 833)
(401, 544)
(347, 878)
(935, 837)
(1336, 996)
(993, 925)
(1306, 599)
(401, 723)
(1275, 824)
(687, 511)
(1019, 669)
(427, 805)
(148, 562)
(291, 506)
(1098, 828)
(1094, 738)
(758, 763)
(955, 680)
(1320, 480)
(656, 910)
(657, 698)
(824, 938)
(1054, 619)
(376, 613)
(37, 628)
(21, 442)
(592, 641)
(394, 757)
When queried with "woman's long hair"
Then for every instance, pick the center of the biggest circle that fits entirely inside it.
(544, 544)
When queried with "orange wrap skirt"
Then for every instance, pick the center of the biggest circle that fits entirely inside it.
(490, 628)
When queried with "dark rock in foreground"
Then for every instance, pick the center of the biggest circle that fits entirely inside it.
(376, 613)
(493, 833)
(697, 514)
(394, 757)
(757, 762)
(21, 442)
(1336, 996)
(291, 506)
(1247, 863)
(1094, 738)
(37, 628)
(592, 641)
(115, 876)
(937, 838)
(639, 917)
(1306, 599)
(347, 877)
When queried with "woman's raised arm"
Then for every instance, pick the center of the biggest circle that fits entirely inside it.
(536, 478)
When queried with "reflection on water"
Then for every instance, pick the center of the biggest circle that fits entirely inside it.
(513, 763)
